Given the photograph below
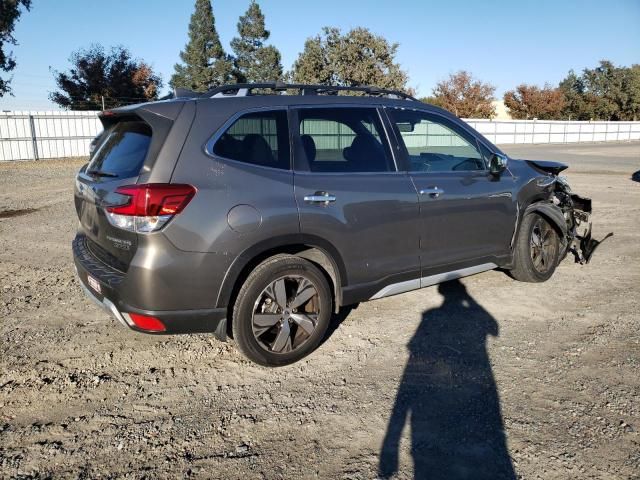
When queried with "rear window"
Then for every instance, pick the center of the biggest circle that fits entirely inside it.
(122, 150)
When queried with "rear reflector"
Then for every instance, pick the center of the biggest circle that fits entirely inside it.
(148, 207)
(148, 323)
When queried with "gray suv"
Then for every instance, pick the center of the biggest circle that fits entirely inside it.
(258, 210)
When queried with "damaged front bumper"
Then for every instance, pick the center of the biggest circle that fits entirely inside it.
(577, 211)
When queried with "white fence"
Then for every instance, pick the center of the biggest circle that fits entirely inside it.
(28, 135)
(555, 131)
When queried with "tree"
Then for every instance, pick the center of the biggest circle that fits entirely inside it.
(255, 61)
(631, 85)
(9, 14)
(356, 58)
(205, 63)
(431, 100)
(464, 96)
(606, 92)
(530, 101)
(115, 76)
(576, 105)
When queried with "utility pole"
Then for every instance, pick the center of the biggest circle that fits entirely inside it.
(102, 96)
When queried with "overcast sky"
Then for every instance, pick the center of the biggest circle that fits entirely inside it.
(502, 42)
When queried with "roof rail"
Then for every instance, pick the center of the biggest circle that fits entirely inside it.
(245, 89)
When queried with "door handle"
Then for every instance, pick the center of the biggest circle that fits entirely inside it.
(320, 197)
(433, 192)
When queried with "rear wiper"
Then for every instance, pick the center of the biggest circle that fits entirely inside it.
(100, 173)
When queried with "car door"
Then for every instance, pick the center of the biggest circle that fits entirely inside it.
(350, 193)
(467, 214)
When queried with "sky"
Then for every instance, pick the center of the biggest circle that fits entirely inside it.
(502, 42)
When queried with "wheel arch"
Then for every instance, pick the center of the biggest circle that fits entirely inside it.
(315, 249)
(552, 214)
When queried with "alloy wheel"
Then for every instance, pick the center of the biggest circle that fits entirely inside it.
(286, 313)
(542, 246)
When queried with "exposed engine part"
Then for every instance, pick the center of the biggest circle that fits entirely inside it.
(577, 213)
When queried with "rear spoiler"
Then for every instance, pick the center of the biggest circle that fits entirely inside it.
(146, 111)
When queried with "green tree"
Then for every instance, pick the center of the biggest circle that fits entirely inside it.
(356, 58)
(95, 74)
(606, 92)
(465, 96)
(205, 63)
(576, 105)
(631, 86)
(9, 15)
(254, 61)
(530, 101)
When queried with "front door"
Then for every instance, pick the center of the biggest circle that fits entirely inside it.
(350, 193)
(468, 215)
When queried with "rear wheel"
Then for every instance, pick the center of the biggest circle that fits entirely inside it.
(537, 250)
(282, 311)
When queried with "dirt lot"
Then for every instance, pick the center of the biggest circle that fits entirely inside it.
(548, 373)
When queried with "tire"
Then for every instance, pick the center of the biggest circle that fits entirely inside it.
(537, 250)
(270, 325)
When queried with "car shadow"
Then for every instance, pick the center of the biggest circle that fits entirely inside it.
(448, 396)
(336, 321)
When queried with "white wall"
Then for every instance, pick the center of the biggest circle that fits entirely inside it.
(555, 131)
(61, 134)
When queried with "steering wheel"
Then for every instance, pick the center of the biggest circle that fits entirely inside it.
(466, 162)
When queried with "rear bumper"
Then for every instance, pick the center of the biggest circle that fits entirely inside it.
(109, 297)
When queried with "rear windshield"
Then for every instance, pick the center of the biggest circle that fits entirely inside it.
(122, 150)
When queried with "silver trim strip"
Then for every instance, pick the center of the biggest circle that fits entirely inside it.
(396, 288)
(463, 272)
(408, 285)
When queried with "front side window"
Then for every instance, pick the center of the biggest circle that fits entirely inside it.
(344, 140)
(435, 145)
(258, 138)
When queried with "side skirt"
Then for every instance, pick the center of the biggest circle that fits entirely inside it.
(408, 285)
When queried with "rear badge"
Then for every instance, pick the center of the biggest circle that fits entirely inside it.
(93, 283)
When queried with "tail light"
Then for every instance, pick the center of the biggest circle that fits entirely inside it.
(148, 207)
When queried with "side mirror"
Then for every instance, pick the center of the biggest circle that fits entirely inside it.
(497, 163)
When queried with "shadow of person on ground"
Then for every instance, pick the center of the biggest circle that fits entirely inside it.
(449, 397)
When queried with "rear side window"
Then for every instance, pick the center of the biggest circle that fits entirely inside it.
(122, 149)
(259, 138)
(344, 140)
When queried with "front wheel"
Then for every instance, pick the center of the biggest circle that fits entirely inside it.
(537, 250)
(282, 311)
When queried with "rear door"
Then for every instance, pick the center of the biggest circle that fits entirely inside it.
(350, 193)
(467, 214)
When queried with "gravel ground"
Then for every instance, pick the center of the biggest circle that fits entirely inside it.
(548, 373)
